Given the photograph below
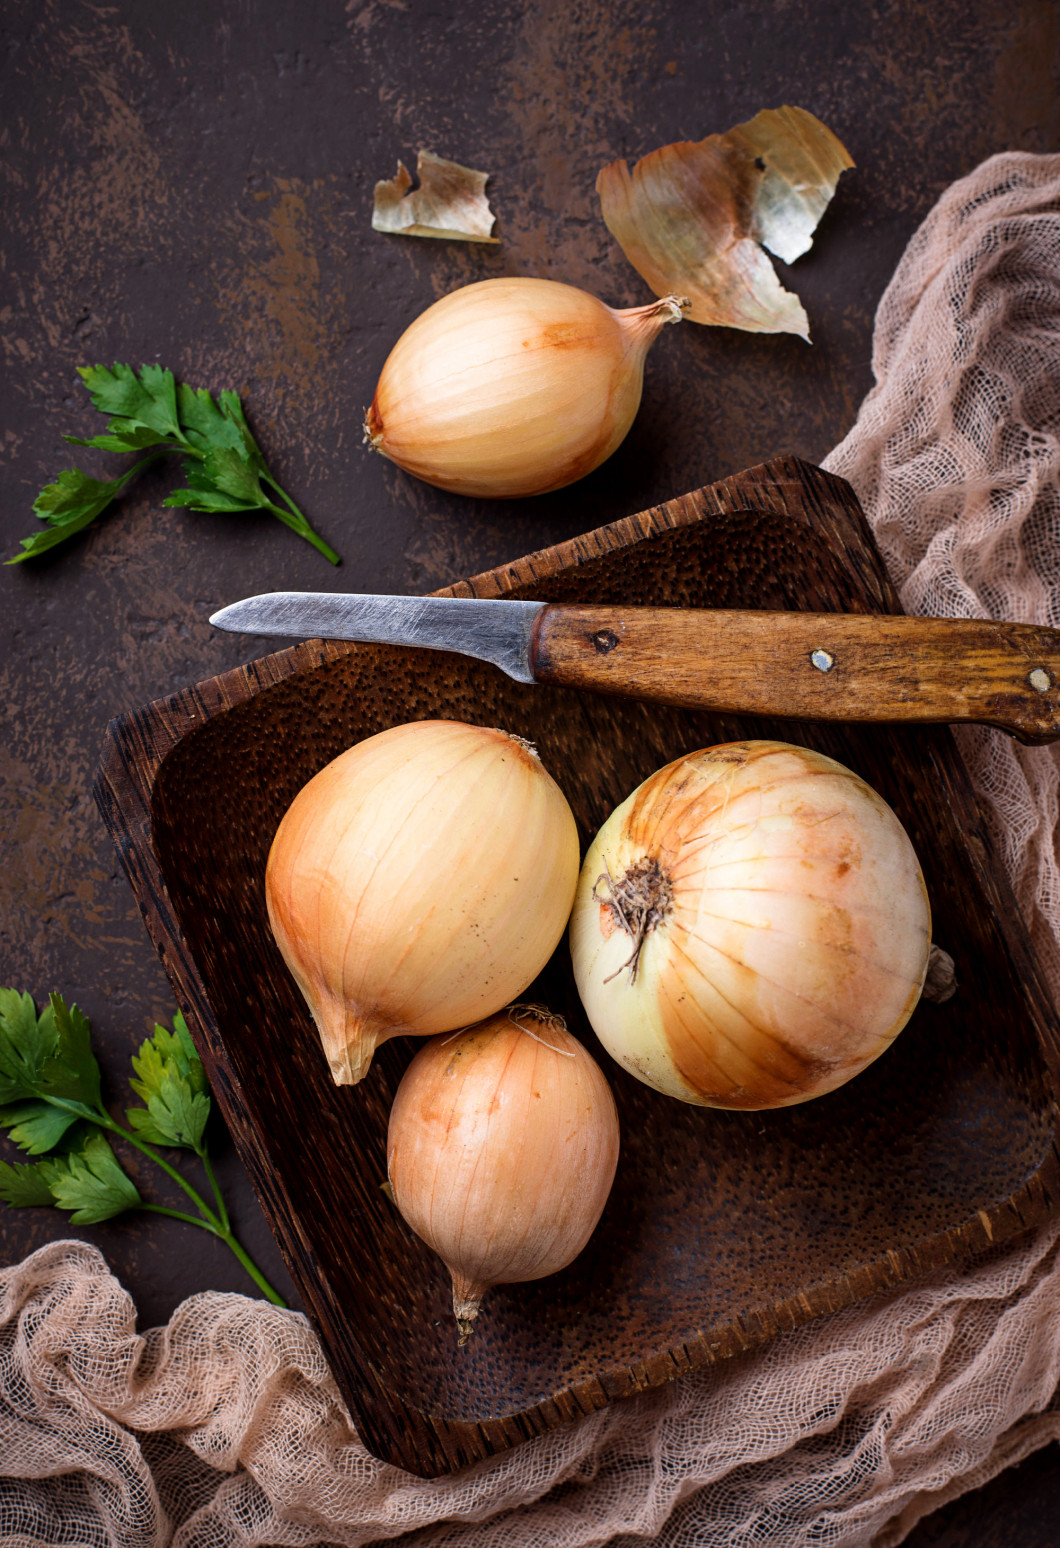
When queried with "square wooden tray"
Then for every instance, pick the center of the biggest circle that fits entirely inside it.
(723, 1228)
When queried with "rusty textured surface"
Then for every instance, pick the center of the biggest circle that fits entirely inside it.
(193, 184)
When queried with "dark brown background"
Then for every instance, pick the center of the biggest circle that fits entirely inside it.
(192, 183)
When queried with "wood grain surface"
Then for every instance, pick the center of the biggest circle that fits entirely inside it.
(193, 184)
(723, 1228)
(810, 666)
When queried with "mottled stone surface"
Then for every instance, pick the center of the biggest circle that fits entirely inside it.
(193, 184)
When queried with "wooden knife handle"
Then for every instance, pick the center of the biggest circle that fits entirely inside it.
(810, 666)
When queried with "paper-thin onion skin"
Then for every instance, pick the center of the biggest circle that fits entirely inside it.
(798, 938)
(502, 1150)
(512, 387)
(419, 882)
(690, 216)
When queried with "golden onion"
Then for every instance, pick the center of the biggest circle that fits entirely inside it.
(501, 1151)
(751, 927)
(418, 883)
(513, 386)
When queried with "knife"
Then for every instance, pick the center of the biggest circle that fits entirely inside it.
(801, 666)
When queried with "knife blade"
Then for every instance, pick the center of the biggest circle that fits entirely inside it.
(802, 666)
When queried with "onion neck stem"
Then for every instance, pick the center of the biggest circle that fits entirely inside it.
(656, 314)
(467, 1298)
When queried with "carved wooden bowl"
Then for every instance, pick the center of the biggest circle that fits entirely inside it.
(723, 1228)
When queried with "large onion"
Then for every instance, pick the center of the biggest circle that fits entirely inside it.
(513, 386)
(751, 927)
(419, 882)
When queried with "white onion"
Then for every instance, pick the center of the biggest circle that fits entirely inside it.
(786, 927)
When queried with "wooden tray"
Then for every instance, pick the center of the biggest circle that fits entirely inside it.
(723, 1228)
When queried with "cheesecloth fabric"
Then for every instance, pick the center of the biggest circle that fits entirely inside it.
(224, 1429)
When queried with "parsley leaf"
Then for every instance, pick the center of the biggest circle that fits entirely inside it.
(172, 1083)
(37, 1126)
(150, 411)
(205, 424)
(74, 497)
(122, 435)
(72, 1072)
(49, 1077)
(25, 1043)
(90, 1182)
(149, 399)
(223, 481)
(51, 1103)
(233, 409)
(24, 1183)
(68, 506)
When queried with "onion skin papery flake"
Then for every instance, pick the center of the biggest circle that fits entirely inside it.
(450, 203)
(501, 1151)
(691, 215)
(794, 943)
(419, 882)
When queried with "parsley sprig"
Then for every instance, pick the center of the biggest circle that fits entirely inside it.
(152, 412)
(51, 1104)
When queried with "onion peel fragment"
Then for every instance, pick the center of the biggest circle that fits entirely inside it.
(450, 202)
(690, 216)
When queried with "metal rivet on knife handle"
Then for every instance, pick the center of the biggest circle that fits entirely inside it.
(822, 660)
(1039, 680)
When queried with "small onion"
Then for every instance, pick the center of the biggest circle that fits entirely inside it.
(513, 386)
(751, 927)
(418, 882)
(501, 1151)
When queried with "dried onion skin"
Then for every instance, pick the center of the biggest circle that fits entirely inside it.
(786, 927)
(690, 216)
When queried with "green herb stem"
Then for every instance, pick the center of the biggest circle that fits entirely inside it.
(138, 467)
(107, 1122)
(297, 523)
(222, 1212)
(267, 478)
(252, 1269)
(218, 1225)
(230, 1242)
(177, 1214)
(223, 462)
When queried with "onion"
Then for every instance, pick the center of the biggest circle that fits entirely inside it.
(513, 386)
(501, 1152)
(751, 927)
(419, 882)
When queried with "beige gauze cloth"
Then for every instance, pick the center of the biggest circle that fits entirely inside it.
(225, 1429)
